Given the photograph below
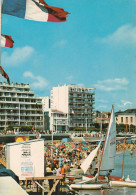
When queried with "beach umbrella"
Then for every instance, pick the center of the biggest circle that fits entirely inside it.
(129, 142)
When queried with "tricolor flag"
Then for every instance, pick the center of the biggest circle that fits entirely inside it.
(4, 74)
(6, 41)
(34, 10)
(72, 111)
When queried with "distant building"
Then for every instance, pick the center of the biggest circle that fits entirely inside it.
(19, 106)
(101, 117)
(45, 103)
(126, 117)
(58, 121)
(76, 103)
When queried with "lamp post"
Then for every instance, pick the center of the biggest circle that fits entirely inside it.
(52, 140)
(19, 114)
(101, 123)
(5, 122)
(86, 125)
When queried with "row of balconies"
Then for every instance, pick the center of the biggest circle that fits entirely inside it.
(37, 126)
(81, 121)
(79, 125)
(16, 96)
(17, 108)
(21, 118)
(82, 110)
(81, 106)
(81, 98)
(15, 91)
(82, 117)
(81, 92)
(16, 100)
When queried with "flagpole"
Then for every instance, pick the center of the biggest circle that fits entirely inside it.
(0, 27)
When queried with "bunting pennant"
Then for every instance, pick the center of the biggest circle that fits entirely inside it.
(6, 41)
(37, 10)
(4, 74)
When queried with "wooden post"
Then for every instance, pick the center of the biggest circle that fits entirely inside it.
(3, 162)
(123, 153)
(53, 188)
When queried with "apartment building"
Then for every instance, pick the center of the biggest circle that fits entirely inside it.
(126, 117)
(19, 106)
(76, 102)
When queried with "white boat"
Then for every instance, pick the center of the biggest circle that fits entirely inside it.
(131, 184)
(90, 186)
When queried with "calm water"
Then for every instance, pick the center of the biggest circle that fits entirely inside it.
(129, 169)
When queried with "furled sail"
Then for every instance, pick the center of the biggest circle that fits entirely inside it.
(88, 161)
(109, 152)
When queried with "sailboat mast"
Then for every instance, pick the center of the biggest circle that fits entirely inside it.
(123, 153)
(0, 27)
(104, 142)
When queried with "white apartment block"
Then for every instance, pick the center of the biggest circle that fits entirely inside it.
(19, 106)
(76, 102)
(45, 103)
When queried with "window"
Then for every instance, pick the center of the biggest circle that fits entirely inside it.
(131, 119)
(121, 119)
(126, 119)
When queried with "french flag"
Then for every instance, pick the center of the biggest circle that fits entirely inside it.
(6, 41)
(72, 111)
(37, 10)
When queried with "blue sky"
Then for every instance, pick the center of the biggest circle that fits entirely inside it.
(96, 47)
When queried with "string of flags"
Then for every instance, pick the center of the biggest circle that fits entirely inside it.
(37, 10)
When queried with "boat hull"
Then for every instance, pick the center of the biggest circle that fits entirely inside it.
(91, 186)
(131, 184)
(101, 177)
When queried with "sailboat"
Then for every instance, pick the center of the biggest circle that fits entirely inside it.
(106, 162)
(108, 158)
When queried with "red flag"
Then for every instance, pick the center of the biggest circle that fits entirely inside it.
(7, 41)
(4, 74)
(33, 127)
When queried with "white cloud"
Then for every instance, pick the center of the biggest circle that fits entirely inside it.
(36, 82)
(18, 56)
(112, 84)
(60, 43)
(126, 102)
(124, 35)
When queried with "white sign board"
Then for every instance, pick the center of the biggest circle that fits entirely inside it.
(26, 159)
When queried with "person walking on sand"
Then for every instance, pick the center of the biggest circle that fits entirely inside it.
(131, 153)
(102, 191)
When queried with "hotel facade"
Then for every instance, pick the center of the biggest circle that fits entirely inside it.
(74, 105)
(19, 107)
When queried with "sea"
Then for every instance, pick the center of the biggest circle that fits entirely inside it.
(129, 170)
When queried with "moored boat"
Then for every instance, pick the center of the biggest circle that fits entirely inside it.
(131, 184)
(90, 186)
